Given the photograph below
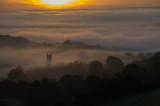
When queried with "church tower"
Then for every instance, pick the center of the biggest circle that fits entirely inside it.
(49, 60)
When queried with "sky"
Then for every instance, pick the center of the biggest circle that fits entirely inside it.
(117, 23)
(74, 4)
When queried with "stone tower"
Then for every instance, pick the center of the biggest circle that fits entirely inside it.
(49, 59)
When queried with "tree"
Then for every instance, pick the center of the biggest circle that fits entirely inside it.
(115, 63)
(17, 74)
(91, 82)
(67, 42)
(96, 66)
(136, 71)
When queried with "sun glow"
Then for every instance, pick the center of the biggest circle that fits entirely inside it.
(57, 2)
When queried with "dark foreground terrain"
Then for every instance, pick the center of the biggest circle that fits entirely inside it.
(135, 84)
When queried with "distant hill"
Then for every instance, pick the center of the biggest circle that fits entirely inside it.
(22, 42)
(10, 41)
(7, 41)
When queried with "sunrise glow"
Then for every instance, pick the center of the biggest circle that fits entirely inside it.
(60, 4)
(57, 2)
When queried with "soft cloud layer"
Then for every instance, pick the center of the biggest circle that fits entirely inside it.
(132, 28)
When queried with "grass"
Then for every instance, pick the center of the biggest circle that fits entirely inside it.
(148, 98)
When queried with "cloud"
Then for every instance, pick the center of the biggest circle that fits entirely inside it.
(116, 28)
(145, 38)
(83, 17)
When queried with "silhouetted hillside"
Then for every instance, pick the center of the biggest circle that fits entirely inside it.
(15, 42)
(22, 42)
(10, 41)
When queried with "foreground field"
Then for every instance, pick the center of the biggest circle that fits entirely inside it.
(148, 98)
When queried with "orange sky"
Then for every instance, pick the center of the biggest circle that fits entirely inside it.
(82, 4)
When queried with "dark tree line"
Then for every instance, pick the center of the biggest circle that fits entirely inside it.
(75, 90)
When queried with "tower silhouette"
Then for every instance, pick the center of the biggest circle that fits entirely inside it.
(49, 59)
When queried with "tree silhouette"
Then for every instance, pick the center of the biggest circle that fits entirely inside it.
(115, 63)
(134, 70)
(91, 82)
(67, 42)
(16, 74)
(96, 66)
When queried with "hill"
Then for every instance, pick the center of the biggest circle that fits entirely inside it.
(22, 42)
(7, 41)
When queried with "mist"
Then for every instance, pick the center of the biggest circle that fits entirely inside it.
(33, 58)
(135, 28)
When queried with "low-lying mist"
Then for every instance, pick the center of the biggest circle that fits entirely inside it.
(30, 59)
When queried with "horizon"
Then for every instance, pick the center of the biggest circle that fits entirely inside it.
(74, 4)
